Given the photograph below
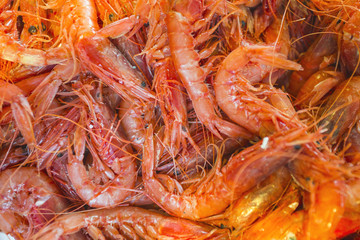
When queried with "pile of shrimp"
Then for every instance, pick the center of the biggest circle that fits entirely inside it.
(180, 119)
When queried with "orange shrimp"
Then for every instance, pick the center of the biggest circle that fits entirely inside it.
(129, 223)
(324, 46)
(222, 185)
(326, 210)
(113, 162)
(186, 61)
(240, 100)
(29, 200)
(318, 85)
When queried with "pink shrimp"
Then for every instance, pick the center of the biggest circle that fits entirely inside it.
(186, 61)
(20, 109)
(29, 200)
(129, 222)
(222, 185)
(240, 100)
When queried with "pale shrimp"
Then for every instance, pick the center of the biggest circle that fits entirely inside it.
(237, 96)
(129, 222)
(318, 85)
(255, 203)
(342, 109)
(221, 186)
(186, 61)
(20, 108)
(281, 223)
(29, 200)
(113, 171)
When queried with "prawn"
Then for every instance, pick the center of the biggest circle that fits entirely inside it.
(186, 62)
(113, 162)
(129, 222)
(222, 185)
(240, 100)
(29, 200)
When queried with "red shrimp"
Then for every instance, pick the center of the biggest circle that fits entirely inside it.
(186, 61)
(237, 96)
(129, 222)
(221, 186)
(29, 200)
(113, 163)
(12, 155)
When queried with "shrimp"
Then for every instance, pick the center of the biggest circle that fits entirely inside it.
(172, 103)
(186, 62)
(323, 47)
(326, 210)
(255, 203)
(113, 162)
(318, 85)
(129, 222)
(134, 120)
(20, 109)
(281, 223)
(239, 99)
(29, 200)
(12, 155)
(342, 109)
(222, 185)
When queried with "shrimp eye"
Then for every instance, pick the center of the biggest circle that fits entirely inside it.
(146, 24)
(32, 30)
(43, 26)
(243, 23)
(143, 84)
(297, 147)
(59, 155)
(111, 17)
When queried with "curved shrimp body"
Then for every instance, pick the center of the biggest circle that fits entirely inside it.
(27, 194)
(20, 108)
(257, 201)
(342, 108)
(186, 61)
(324, 46)
(113, 162)
(129, 222)
(221, 186)
(318, 85)
(239, 99)
(350, 44)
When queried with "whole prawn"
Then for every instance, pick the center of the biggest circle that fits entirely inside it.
(222, 185)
